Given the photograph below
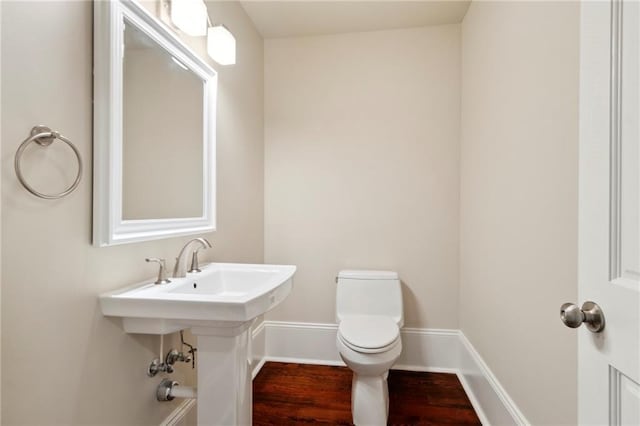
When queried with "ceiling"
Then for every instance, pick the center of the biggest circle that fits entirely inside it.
(303, 18)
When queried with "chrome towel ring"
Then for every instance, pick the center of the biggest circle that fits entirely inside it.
(44, 136)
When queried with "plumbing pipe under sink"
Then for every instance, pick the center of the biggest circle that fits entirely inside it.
(169, 390)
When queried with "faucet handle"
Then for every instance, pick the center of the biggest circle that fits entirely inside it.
(162, 272)
(195, 267)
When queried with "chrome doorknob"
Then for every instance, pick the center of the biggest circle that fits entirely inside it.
(590, 314)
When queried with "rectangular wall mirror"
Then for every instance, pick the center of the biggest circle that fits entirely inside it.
(154, 130)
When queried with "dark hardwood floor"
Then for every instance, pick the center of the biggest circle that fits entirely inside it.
(295, 394)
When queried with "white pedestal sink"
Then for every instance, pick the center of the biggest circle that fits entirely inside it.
(218, 305)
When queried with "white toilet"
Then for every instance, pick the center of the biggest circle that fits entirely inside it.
(369, 313)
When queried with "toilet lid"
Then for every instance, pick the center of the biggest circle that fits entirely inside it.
(368, 331)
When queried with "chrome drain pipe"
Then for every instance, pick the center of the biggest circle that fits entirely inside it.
(168, 390)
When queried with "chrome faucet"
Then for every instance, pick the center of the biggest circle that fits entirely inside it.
(180, 270)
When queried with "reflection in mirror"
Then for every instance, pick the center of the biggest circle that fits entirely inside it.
(162, 147)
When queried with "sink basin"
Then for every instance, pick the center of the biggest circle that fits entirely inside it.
(222, 295)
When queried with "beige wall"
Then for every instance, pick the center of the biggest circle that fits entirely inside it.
(519, 198)
(63, 363)
(361, 166)
(356, 123)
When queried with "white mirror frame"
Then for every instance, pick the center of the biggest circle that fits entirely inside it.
(109, 227)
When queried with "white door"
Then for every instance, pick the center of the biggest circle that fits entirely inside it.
(609, 212)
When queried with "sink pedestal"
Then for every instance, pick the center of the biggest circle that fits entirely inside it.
(224, 375)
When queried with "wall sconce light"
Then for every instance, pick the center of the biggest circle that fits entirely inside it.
(221, 45)
(190, 16)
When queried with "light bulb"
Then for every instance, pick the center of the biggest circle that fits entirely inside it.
(221, 45)
(190, 16)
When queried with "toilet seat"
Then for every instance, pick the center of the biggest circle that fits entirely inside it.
(368, 333)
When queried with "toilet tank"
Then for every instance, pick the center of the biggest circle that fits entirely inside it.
(369, 293)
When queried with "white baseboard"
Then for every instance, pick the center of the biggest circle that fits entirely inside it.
(308, 343)
(432, 350)
(179, 414)
(304, 343)
(479, 381)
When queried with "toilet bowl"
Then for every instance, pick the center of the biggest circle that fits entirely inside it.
(369, 312)
(369, 358)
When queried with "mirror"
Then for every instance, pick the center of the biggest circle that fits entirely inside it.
(162, 94)
(154, 130)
